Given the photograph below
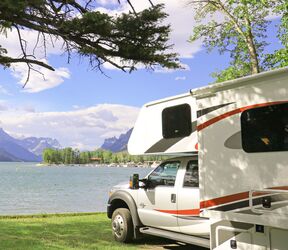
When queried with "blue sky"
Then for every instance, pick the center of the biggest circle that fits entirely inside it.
(81, 107)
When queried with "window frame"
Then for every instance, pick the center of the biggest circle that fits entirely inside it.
(165, 125)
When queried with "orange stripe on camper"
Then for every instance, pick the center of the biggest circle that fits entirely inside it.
(224, 200)
(234, 112)
(235, 197)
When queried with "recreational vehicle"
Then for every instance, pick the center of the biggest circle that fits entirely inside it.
(236, 133)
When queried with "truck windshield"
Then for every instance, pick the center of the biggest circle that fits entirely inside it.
(164, 175)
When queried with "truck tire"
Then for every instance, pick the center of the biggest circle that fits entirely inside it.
(122, 225)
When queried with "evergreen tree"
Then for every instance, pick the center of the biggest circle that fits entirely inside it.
(134, 37)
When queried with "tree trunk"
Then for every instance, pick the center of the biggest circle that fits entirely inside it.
(248, 35)
(251, 44)
(252, 52)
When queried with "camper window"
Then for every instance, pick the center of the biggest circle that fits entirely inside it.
(164, 175)
(191, 178)
(265, 129)
(176, 121)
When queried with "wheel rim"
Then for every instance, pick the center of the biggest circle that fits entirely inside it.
(118, 225)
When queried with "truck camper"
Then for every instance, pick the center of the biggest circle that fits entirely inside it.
(236, 133)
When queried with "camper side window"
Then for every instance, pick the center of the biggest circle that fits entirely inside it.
(265, 129)
(164, 175)
(176, 121)
(191, 178)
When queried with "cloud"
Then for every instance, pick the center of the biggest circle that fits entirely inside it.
(28, 109)
(3, 106)
(41, 79)
(11, 43)
(84, 128)
(180, 78)
(181, 18)
(184, 67)
(46, 79)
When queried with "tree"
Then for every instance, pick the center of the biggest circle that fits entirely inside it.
(68, 156)
(134, 37)
(47, 155)
(85, 157)
(280, 57)
(107, 155)
(239, 29)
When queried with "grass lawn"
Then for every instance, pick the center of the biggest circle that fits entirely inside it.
(90, 231)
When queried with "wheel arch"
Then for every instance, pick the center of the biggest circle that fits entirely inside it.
(122, 199)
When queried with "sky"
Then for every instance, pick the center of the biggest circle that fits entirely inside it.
(81, 107)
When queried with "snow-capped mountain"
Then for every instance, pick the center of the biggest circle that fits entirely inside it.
(37, 145)
(27, 149)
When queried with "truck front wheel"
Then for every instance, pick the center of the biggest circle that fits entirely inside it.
(122, 225)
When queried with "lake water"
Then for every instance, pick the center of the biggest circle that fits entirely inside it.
(29, 189)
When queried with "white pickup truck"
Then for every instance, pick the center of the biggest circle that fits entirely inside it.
(165, 204)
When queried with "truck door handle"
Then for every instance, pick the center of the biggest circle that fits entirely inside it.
(173, 198)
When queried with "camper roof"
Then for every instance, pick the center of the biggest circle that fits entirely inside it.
(213, 88)
(216, 87)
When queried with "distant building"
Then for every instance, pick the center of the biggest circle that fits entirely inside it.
(95, 159)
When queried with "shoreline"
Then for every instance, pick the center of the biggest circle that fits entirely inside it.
(111, 165)
(24, 216)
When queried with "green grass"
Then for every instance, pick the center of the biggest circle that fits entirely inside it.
(58, 232)
(70, 231)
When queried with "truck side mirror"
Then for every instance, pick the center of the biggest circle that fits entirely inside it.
(145, 184)
(134, 181)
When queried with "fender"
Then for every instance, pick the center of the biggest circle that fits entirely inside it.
(128, 199)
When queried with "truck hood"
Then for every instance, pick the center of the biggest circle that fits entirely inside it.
(121, 185)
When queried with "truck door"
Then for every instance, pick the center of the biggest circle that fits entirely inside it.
(157, 203)
(188, 202)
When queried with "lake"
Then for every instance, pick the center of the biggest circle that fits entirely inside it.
(29, 189)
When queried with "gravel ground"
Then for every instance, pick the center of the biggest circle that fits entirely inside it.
(155, 243)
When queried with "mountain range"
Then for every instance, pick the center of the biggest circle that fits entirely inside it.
(27, 149)
(30, 149)
(119, 144)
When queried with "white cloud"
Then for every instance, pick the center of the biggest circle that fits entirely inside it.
(3, 106)
(39, 81)
(84, 128)
(180, 78)
(11, 43)
(28, 109)
(184, 67)
(36, 82)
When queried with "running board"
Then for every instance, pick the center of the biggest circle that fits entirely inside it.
(194, 240)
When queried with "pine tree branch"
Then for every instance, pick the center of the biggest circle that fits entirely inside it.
(8, 60)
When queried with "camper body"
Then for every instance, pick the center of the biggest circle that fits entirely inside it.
(239, 131)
